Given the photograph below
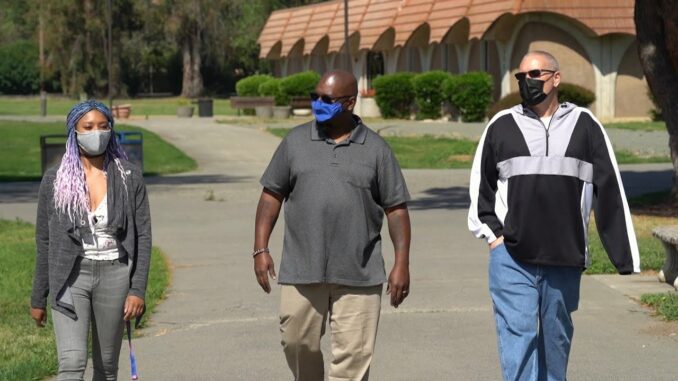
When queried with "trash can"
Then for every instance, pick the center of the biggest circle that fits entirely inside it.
(52, 149)
(133, 144)
(205, 107)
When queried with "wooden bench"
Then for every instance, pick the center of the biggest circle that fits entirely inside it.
(668, 235)
(121, 111)
(240, 103)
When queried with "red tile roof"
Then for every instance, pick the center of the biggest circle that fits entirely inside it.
(370, 19)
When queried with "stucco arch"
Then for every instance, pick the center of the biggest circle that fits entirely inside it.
(631, 91)
(575, 64)
(295, 59)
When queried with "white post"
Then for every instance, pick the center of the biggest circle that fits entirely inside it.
(463, 52)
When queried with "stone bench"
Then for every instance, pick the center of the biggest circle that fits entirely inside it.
(251, 102)
(668, 235)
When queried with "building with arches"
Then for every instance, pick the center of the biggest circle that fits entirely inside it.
(594, 40)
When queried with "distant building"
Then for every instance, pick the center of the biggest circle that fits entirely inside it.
(594, 40)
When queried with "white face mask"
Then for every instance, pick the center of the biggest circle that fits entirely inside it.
(94, 143)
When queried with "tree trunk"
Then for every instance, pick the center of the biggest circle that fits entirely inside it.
(656, 31)
(192, 85)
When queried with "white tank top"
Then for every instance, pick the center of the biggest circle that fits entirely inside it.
(104, 246)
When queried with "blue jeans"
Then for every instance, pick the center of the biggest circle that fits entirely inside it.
(532, 307)
(99, 291)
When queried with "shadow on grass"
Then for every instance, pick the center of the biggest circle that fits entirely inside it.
(643, 182)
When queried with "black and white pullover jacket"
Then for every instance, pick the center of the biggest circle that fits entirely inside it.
(534, 184)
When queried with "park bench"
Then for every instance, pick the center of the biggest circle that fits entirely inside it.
(121, 111)
(668, 235)
(240, 103)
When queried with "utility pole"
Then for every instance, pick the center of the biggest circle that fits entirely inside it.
(109, 20)
(348, 52)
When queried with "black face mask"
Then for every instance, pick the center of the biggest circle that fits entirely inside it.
(531, 91)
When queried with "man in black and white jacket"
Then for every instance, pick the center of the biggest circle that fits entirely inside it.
(536, 170)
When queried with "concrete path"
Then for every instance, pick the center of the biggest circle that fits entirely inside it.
(217, 324)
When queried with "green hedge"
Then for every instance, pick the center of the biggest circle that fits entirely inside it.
(19, 71)
(581, 96)
(470, 93)
(428, 93)
(249, 86)
(567, 92)
(298, 85)
(394, 94)
(271, 88)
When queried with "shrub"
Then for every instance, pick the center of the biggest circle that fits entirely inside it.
(271, 88)
(470, 93)
(298, 85)
(505, 102)
(249, 86)
(19, 71)
(428, 93)
(394, 94)
(568, 92)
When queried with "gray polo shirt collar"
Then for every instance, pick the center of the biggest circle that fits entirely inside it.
(358, 134)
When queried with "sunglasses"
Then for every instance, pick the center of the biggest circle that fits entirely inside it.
(536, 73)
(326, 98)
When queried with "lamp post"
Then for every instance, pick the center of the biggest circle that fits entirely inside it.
(41, 43)
(109, 20)
(348, 53)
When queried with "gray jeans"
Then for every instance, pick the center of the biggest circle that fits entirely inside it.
(99, 291)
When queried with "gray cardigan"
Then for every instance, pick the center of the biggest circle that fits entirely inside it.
(59, 242)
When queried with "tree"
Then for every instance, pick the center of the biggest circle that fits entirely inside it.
(657, 34)
(200, 29)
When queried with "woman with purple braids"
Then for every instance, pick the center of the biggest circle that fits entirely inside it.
(93, 235)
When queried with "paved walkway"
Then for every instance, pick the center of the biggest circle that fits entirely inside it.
(217, 324)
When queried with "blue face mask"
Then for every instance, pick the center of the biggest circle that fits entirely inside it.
(324, 111)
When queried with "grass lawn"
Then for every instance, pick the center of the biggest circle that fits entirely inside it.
(638, 126)
(27, 352)
(20, 151)
(666, 305)
(651, 250)
(440, 153)
(57, 105)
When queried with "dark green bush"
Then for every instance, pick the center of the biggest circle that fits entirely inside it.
(568, 92)
(298, 85)
(271, 88)
(249, 86)
(428, 93)
(19, 71)
(394, 94)
(506, 102)
(470, 93)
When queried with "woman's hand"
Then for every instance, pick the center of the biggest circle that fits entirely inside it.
(40, 316)
(134, 307)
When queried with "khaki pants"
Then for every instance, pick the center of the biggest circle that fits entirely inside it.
(354, 317)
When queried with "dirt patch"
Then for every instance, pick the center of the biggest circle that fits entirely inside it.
(664, 329)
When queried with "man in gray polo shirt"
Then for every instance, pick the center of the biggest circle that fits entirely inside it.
(336, 178)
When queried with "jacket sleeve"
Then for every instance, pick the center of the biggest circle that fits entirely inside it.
(613, 217)
(41, 277)
(142, 222)
(482, 219)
